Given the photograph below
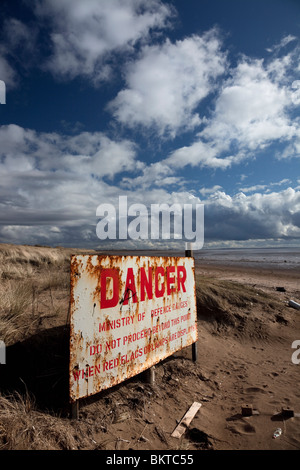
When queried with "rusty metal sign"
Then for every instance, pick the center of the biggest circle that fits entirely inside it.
(127, 313)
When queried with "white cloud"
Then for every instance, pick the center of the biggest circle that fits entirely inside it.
(203, 155)
(153, 175)
(243, 177)
(7, 73)
(52, 183)
(254, 188)
(58, 180)
(84, 154)
(16, 33)
(251, 108)
(263, 187)
(83, 34)
(254, 109)
(283, 43)
(257, 216)
(19, 44)
(295, 95)
(292, 150)
(207, 191)
(167, 83)
(49, 195)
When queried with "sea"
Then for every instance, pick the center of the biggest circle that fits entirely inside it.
(268, 258)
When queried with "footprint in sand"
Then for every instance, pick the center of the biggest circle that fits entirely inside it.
(255, 390)
(240, 427)
(273, 374)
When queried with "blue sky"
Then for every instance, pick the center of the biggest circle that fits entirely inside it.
(156, 100)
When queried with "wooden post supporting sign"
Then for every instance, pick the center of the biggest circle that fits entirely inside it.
(189, 254)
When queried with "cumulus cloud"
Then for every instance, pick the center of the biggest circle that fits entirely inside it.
(53, 182)
(254, 108)
(212, 190)
(85, 153)
(48, 179)
(203, 155)
(257, 216)
(52, 185)
(84, 34)
(168, 81)
(153, 175)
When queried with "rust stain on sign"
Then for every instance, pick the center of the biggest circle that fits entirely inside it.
(127, 314)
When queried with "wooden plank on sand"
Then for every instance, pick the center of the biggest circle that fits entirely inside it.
(185, 421)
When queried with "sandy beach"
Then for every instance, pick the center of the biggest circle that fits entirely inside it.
(254, 368)
(244, 359)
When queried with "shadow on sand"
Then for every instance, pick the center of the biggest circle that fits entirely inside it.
(39, 366)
